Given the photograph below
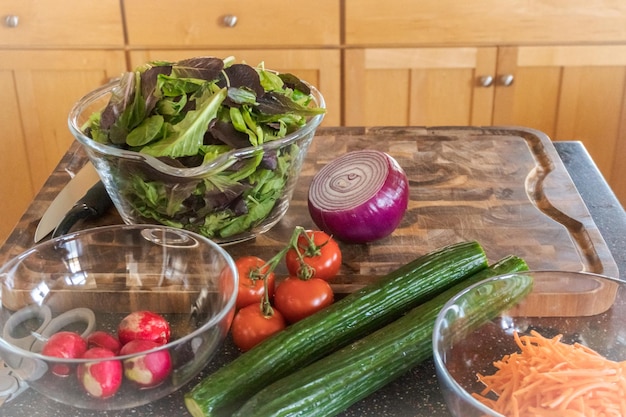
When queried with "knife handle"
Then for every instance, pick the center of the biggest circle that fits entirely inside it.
(96, 199)
(93, 204)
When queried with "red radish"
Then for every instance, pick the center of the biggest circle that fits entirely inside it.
(104, 340)
(66, 345)
(144, 325)
(146, 370)
(359, 197)
(101, 379)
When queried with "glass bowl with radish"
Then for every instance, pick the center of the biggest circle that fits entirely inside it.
(560, 351)
(115, 317)
(203, 144)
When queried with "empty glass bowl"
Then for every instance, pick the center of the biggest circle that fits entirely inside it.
(88, 282)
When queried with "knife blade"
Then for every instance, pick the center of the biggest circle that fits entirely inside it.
(83, 197)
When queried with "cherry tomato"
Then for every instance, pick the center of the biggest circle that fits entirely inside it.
(251, 326)
(251, 288)
(321, 257)
(297, 298)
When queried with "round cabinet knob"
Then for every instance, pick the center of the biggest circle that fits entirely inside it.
(230, 20)
(506, 79)
(11, 21)
(485, 81)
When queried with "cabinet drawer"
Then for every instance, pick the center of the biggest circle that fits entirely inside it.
(484, 22)
(223, 23)
(50, 23)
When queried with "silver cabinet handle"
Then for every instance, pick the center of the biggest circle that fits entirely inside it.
(485, 81)
(230, 20)
(11, 21)
(506, 79)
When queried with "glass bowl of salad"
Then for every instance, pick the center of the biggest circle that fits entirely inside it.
(203, 144)
(540, 343)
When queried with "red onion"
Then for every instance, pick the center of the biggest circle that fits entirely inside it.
(359, 197)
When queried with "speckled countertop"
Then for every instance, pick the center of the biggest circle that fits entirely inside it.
(417, 392)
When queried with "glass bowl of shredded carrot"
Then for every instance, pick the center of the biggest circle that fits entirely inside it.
(561, 351)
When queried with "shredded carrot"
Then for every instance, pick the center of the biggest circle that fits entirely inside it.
(550, 378)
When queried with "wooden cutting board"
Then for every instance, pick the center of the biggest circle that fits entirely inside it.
(504, 187)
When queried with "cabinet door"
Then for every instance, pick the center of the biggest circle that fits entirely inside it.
(15, 182)
(319, 67)
(570, 93)
(39, 88)
(418, 86)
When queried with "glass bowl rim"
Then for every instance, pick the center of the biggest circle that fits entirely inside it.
(202, 170)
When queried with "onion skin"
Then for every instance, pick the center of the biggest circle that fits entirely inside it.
(359, 197)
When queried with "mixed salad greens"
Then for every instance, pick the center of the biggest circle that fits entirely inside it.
(189, 113)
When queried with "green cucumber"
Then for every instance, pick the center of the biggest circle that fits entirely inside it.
(359, 369)
(346, 320)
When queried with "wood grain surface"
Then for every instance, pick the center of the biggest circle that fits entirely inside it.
(504, 187)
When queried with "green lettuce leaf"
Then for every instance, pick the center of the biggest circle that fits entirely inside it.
(186, 137)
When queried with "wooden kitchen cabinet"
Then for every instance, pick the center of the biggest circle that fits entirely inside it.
(16, 186)
(493, 62)
(402, 23)
(568, 92)
(39, 88)
(418, 86)
(33, 24)
(227, 24)
(51, 54)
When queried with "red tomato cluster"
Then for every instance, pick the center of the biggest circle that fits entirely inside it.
(137, 332)
(312, 259)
